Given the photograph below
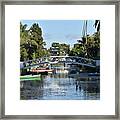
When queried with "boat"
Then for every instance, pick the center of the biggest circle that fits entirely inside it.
(41, 70)
(30, 77)
(93, 74)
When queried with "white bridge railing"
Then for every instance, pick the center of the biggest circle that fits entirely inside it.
(61, 59)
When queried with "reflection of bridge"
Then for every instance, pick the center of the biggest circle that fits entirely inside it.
(69, 60)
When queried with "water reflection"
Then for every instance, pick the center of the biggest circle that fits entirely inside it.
(61, 87)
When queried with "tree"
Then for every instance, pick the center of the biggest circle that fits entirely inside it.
(38, 44)
(64, 49)
(23, 40)
(59, 49)
(31, 42)
(93, 46)
(89, 48)
(77, 50)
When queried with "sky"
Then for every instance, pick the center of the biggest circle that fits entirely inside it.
(62, 31)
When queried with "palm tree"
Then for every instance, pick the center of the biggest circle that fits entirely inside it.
(97, 25)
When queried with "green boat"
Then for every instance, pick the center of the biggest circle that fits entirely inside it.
(30, 77)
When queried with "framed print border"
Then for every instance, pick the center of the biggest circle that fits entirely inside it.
(62, 2)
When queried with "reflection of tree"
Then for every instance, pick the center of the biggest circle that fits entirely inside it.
(31, 89)
(60, 75)
(87, 87)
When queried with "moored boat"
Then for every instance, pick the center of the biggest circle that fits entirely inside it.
(30, 77)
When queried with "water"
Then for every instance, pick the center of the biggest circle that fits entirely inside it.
(60, 87)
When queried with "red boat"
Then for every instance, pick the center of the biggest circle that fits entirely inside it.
(39, 70)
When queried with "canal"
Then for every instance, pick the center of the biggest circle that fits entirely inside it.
(60, 86)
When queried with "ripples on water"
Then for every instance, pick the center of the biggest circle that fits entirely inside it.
(60, 87)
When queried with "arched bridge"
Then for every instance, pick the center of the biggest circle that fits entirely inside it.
(70, 60)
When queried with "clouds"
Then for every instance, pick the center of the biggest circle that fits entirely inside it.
(72, 36)
(59, 36)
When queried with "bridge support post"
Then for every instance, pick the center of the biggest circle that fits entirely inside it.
(51, 66)
(64, 65)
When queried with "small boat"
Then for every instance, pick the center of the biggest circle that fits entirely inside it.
(41, 70)
(30, 77)
(93, 74)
